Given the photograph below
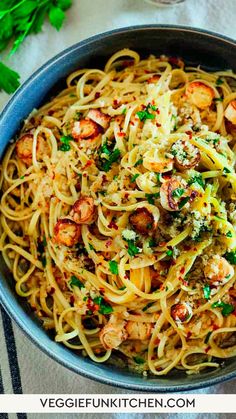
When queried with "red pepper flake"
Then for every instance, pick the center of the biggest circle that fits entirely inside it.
(89, 163)
(126, 277)
(189, 133)
(162, 244)
(102, 290)
(158, 125)
(158, 111)
(104, 179)
(147, 71)
(189, 334)
(215, 327)
(182, 270)
(186, 247)
(51, 112)
(115, 103)
(97, 95)
(126, 195)
(121, 134)
(153, 357)
(166, 176)
(33, 308)
(85, 174)
(108, 243)
(112, 224)
(72, 299)
(207, 349)
(131, 122)
(127, 63)
(157, 341)
(52, 290)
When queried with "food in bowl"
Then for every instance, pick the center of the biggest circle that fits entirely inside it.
(118, 213)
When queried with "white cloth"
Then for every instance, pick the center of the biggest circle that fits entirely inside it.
(40, 374)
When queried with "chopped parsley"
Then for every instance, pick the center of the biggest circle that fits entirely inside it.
(146, 307)
(91, 247)
(218, 99)
(229, 234)
(231, 257)
(113, 266)
(178, 192)
(226, 170)
(104, 307)
(134, 177)
(145, 114)
(124, 111)
(65, 140)
(197, 179)
(183, 202)
(151, 196)
(138, 162)
(206, 292)
(207, 337)
(138, 360)
(226, 308)
(169, 252)
(219, 81)
(113, 157)
(75, 282)
(132, 248)
(152, 242)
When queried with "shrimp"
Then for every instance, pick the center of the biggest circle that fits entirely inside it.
(186, 155)
(85, 129)
(118, 330)
(200, 94)
(67, 232)
(218, 270)
(83, 210)
(24, 148)
(142, 220)
(158, 164)
(113, 333)
(181, 312)
(173, 192)
(99, 117)
(230, 112)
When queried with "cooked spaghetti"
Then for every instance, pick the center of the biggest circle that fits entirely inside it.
(118, 214)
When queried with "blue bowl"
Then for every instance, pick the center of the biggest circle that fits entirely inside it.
(195, 46)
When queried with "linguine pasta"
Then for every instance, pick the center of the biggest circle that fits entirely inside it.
(118, 214)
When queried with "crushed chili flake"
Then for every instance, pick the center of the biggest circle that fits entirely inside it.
(89, 163)
(72, 299)
(162, 244)
(97, 95)
(51, 112)
(126, 195)
(207, 349)
(166, 176)
(108, 243)
(182, 270)
(157, 341)
(158, 125)
(126, 277)
(121, 134)
(112, 224)
(52, 290)
(189, 133)
(189, 334)
(215, 327)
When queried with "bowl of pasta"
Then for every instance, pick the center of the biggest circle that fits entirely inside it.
(118, 208)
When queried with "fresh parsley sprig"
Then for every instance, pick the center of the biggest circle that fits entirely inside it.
(20, 18)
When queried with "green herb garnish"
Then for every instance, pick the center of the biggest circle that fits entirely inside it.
(134, 177)
(169, 252)
(207, 291)
(219, 81)
(138, 162)
(226, 170)
(146, 307)
(231, 257)
(145, 114)
(75, 282)
(183, 202)
(207, 337)
(91, 247)
(197, 179)
(151, 197)
(152, 243)
(178, 192)
(132, 249)
(229, 234)
(113, 266)
(138, 360)
(226, 308)
(20, 18)
(105, 308)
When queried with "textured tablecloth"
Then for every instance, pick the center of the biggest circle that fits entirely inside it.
(24, 368)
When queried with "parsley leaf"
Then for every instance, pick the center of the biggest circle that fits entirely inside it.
(219, 81)
(151, 196)
(226, 308)
(134, 177)
(145, 114)
(56, 17)
(105, 308)
(197, 179)
(207, 291)
(148, 305)
(114, 156)
(132, 249)
(75, 282)
(231, 257)
(9, 79)
(183, 202)
(138, 162)
(113, 266)
(178, 192)
(138, 360)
